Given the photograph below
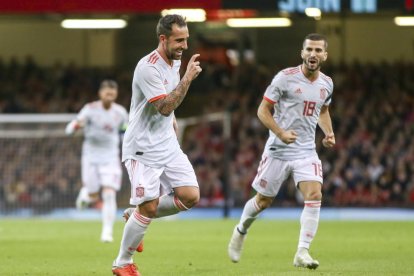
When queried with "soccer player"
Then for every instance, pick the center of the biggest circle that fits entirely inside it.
(299, 98)
(103, 122)
(150, 150)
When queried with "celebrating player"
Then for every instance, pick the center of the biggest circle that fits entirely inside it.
(299, 98)
(102, 122)
(150, 150)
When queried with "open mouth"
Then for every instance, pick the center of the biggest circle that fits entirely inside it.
(313, 61)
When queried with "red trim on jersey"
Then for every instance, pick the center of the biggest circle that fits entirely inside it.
(291, 70)
(151, 57)
(154, 60)
(157, 98)
(268, 100)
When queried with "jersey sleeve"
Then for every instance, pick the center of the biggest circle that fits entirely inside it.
(330, 92)
(276, 88)
(150, 83)
(83, 113)
(78, 122)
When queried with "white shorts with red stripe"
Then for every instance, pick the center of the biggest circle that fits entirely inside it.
(95, 176)
(147, 182)
(272, 173)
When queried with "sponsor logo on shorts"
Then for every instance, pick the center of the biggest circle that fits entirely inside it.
(139, 191)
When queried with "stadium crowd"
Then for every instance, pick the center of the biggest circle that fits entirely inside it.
(372, 111)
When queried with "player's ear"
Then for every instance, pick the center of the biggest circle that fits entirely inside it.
(162, 38)
(301, 53)
(325, 56)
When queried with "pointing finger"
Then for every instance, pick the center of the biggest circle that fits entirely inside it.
(194, 57)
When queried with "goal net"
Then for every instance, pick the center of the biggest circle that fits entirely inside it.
(40, 165)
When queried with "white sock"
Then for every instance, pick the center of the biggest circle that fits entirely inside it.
(250, 212)
(108, 211)
(309, 221)
(134, 232)
(169, 205)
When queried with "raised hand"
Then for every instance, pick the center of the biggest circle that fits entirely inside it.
(193, 67)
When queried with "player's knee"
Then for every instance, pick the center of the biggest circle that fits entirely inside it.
(148, 209)
(313, 195)
(263, 202)
(188, 196)
(191, 199)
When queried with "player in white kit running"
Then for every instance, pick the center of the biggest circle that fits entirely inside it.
(299, 98)
(150, 150)
(103, 122)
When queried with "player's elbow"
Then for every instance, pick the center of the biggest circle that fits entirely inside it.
(164, 110)
(165, 113)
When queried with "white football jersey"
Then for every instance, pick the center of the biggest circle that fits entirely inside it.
(102, 131)
(150, 137)
(298, 102)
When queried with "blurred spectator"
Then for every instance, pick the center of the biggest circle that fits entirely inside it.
(372, 111)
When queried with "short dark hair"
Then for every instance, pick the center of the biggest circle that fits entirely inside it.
(164, 26)
(108, 84)
(316, 37)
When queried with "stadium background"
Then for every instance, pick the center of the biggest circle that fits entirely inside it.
(45, 69)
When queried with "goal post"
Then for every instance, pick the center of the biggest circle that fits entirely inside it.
(40, 164)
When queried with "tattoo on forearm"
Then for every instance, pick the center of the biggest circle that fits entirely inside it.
(168, 104)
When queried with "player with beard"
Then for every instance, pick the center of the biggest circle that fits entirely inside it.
(150, 150)
(299, 98)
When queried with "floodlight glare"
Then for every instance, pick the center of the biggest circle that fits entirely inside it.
(404, 20)
(313, 12)
(258, 22)
(191, 15)
(93, 23)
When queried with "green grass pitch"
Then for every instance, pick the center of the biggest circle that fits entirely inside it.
(199, 247)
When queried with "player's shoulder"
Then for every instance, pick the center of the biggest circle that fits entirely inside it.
(149, 64)
(150, 60)
(93, 105)
(325, 77)
(119, 108)
(290, 71)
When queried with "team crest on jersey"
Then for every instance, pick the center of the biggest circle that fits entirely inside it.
(139, 191)
(263, 183)
(165, 82)
(323, 93)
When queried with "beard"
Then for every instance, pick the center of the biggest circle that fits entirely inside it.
(172, 54)
(312, 67)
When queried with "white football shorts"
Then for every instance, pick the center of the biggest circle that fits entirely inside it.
(147, 182)
(95, 176)
(272, 173)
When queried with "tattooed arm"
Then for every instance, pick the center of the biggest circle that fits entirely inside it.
(169, 103)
